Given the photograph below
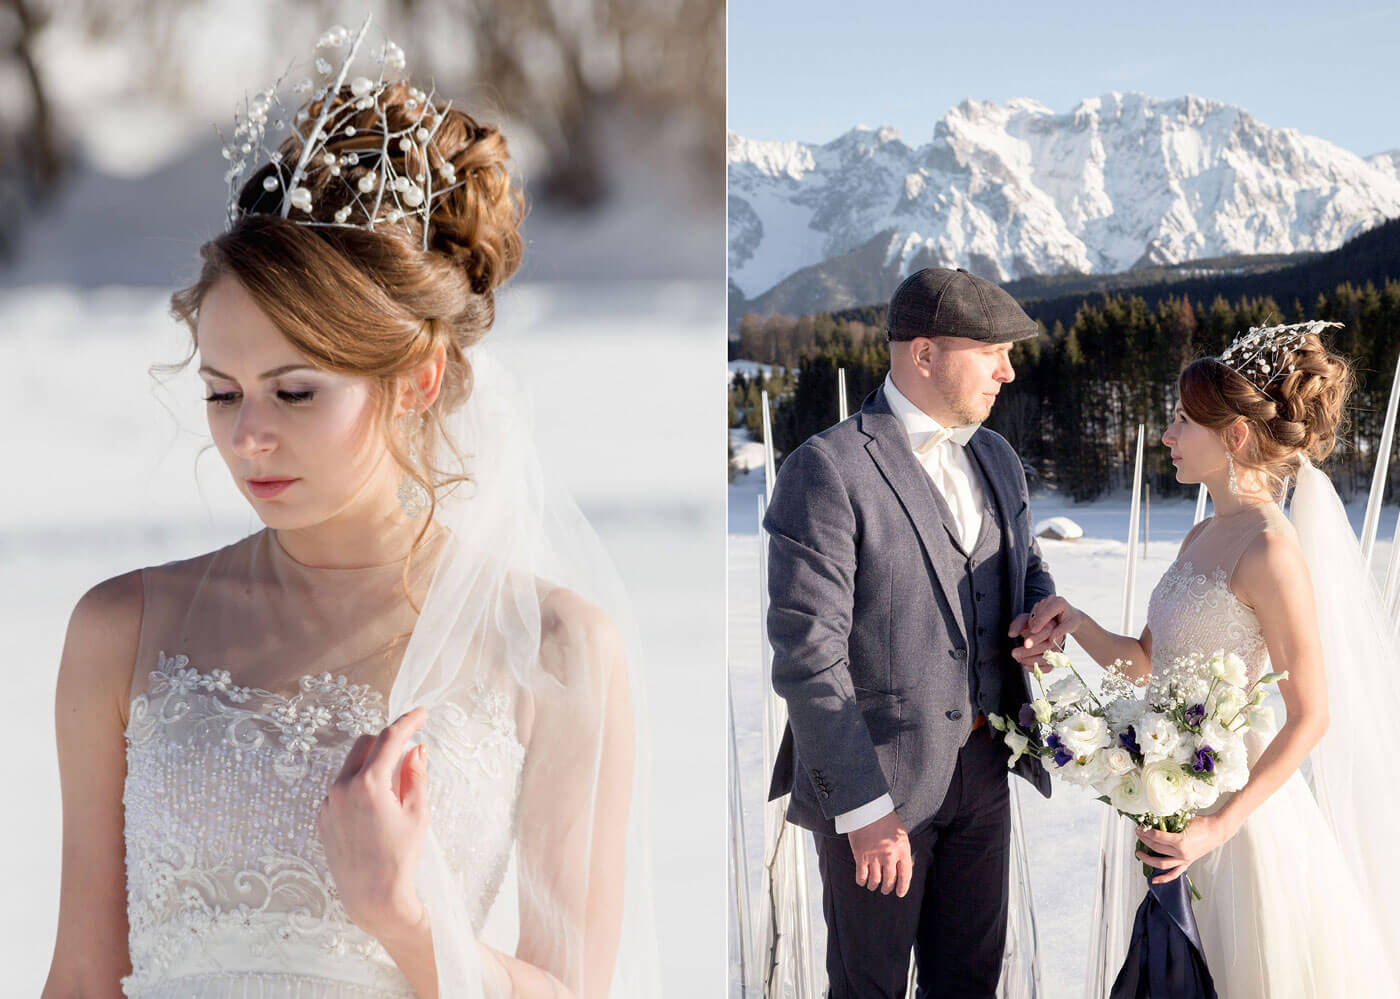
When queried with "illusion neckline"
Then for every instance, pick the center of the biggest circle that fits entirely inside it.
(282, 555)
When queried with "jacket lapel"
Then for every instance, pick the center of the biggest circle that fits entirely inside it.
(1007, 499)
(888, 447)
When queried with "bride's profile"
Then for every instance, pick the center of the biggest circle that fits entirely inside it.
(385, 745)
(1293, 867)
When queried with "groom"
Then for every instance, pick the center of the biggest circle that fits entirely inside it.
(901, 566)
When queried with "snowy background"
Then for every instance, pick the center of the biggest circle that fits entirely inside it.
(1062, 832)
(615, 318)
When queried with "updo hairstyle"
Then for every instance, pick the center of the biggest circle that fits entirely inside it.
(374, 302)
(1300, 413)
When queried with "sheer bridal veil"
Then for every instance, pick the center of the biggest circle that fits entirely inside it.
(503, 615)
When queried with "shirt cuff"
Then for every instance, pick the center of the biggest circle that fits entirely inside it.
(859, 818)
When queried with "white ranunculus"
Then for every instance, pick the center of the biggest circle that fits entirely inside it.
(1157, 736)
(1127, 795)
(1164, 787)
(1118, 760)
(1082, 733)
(1018, 744)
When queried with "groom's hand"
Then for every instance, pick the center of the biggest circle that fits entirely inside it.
(1042, 630)
(883, 859)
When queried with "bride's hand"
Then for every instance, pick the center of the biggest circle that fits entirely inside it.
(1203, 834)
(373, 823)
(1042, 630)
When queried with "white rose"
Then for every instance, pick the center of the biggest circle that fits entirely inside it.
(1118, 760)
(1082, 733)
(1127, 796)
(1261, 720)
(1018, 744)
(1164, 787)
(1157, 736)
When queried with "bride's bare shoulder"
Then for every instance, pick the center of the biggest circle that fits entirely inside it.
(578, 640)
(99, 649)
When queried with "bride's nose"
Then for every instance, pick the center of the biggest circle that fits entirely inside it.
(252, 433)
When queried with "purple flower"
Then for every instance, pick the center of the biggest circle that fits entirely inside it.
(1026, 716)
(1052, 740)
(1195, 714)
(1128, 740)
(1204, 763)
(1062, 755)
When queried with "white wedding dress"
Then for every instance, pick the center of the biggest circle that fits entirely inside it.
(1281, 915)
(228, 889)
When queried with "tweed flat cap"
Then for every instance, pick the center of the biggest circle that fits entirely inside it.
(940, 302)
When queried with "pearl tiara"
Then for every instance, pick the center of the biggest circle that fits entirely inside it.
(352, 121)
(1263, 355)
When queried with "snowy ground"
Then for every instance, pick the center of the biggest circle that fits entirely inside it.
(1062, 832)
(102, 476)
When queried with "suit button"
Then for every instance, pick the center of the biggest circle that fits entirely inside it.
(823, 795)
(954, 715)
(979, 596)
(959, 654)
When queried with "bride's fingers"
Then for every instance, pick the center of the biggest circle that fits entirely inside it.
(1161, 863)
(355, 757)
(387, 751)
(1171, 875)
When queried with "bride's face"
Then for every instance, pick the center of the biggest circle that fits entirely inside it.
(1197, 451)
(300, 441)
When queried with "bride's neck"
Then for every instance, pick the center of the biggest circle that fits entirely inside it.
(1226, 503)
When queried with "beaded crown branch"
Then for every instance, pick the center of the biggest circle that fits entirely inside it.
(371, 190)
(1263, 354)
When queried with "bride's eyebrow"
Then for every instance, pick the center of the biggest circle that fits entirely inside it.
(207, 370)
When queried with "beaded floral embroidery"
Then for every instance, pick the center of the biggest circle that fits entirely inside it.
(223, 789)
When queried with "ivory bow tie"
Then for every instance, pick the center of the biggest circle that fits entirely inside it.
(933, 440)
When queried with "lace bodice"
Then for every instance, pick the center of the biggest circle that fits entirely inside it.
(1192, 609)
(226, 874)
(228, 892)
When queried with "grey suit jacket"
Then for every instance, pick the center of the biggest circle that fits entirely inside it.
(866, 619)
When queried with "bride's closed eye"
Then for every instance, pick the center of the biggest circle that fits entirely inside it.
(286, 395)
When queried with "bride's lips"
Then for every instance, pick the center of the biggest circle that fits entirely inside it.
(267, 488)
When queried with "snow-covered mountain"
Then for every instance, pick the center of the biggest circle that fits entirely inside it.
(1014, 190)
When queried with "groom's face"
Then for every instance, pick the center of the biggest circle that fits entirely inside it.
(962, 377)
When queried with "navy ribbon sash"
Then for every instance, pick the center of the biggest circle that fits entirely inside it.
(1165, 958)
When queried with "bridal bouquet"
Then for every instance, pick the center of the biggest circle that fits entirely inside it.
(1158, 759)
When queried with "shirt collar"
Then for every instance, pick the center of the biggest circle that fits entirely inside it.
(918, 425)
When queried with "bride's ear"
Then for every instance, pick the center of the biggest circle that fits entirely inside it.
(1236, 436)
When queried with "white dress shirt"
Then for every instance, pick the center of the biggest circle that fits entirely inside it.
(942, 453)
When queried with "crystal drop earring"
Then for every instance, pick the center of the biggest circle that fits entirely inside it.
(413, 498)
(1234, 486)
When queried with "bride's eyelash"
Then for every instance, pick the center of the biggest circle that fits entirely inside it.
(286, 395)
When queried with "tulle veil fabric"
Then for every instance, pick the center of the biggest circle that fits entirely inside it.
(579, 885)
(1350, 772)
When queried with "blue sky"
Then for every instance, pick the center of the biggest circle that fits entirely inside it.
(812, 70)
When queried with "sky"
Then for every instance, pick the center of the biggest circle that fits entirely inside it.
(812, 70)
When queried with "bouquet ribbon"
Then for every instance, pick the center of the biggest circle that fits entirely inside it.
(1165, 959)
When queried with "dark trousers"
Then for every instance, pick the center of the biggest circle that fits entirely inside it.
(954, 916)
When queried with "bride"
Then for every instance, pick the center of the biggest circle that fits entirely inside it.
(384, 746)
(1295, 873)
